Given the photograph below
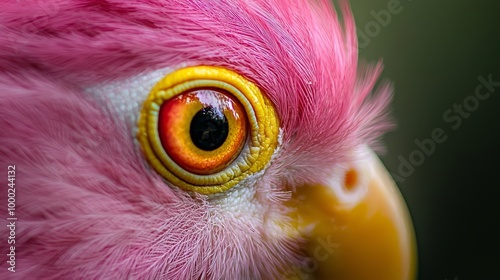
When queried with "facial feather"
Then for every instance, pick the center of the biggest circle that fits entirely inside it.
(90, 208)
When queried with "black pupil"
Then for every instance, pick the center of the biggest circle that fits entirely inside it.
(209, 128)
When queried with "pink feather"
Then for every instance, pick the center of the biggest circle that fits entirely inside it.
(88, 205)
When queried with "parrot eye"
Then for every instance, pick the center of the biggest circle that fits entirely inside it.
(205, 129)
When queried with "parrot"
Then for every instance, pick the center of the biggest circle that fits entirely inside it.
(191, 139)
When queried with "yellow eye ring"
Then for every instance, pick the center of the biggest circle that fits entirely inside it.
(263, 128)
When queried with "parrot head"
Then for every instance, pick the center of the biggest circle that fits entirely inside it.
(194, 140)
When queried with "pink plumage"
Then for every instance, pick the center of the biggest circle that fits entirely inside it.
(89, 206)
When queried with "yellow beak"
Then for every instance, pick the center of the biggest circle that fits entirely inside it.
(356, 227)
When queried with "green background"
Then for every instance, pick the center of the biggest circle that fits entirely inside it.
(434, 52)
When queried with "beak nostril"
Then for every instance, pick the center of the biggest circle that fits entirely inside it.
(350, 179)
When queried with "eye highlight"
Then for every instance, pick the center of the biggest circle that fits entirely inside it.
(205, 129)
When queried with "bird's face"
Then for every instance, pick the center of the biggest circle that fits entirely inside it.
(181, 140)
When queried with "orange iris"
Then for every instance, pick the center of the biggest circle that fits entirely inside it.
(202, 130)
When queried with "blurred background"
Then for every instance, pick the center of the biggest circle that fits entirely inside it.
(444, 60)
